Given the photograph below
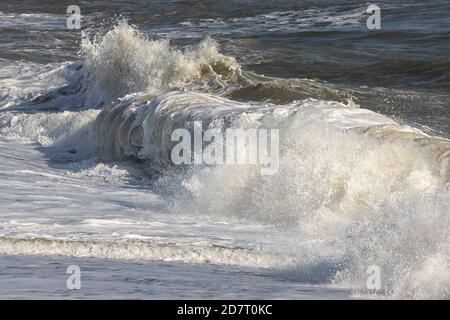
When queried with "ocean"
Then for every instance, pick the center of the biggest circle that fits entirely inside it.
(93, 206)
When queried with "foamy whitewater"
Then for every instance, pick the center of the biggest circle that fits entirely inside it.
(86, 178)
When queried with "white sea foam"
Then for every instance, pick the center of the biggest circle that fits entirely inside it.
(125, 61)
(361, 187)
(355, 188)
(355, 198)
(21, 84)
(139, 250)
(48, 128)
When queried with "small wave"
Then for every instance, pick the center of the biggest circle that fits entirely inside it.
(278, 21)
(282, 91)
(135, 250)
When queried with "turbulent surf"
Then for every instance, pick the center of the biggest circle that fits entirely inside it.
(85, 164)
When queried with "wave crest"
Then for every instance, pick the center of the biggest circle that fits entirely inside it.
(124, 61)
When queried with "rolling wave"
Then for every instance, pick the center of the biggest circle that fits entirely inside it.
(355, 187)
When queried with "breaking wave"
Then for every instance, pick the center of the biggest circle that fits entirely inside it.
(124, 61)
(355, 188)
